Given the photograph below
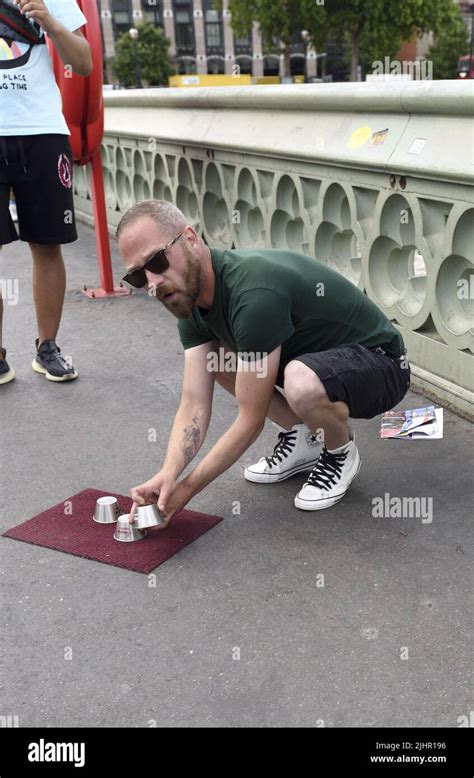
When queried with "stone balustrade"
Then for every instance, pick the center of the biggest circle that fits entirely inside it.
(373, 179)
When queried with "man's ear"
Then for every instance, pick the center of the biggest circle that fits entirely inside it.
(191, 234)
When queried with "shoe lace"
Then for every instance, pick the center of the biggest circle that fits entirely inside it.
(285, 445)
(327, 470)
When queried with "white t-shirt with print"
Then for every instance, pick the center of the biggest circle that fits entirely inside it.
(30, 101)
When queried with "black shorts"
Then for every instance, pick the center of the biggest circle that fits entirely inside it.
(369, 381)
(39, 170)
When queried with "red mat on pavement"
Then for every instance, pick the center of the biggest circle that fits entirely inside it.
(69, 527)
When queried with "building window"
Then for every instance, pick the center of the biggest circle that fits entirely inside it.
(244, 43)
(186, 65)
(271, 65)
(297, 65)
(215, 65)
(152, 11)
(244, 61)
(122, 16)
(184, 28)
(296, 38)
(213, 29)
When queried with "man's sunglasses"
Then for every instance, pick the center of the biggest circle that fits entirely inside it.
(156, 264)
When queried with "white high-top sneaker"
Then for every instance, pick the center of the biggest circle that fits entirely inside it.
(295, 451)
(330, 479)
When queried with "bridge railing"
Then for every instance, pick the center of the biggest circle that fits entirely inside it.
(376, 180)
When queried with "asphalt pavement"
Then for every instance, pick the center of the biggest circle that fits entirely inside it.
(276, 617)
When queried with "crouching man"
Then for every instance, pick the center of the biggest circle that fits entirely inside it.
(320, 352)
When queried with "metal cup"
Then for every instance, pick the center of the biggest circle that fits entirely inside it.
(148, 516)
(126, 532)
(107, 510)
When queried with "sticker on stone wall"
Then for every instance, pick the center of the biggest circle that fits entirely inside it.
(417, 146)
(359, 137)
(379, 137)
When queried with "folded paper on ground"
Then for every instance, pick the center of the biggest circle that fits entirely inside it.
(417, 424)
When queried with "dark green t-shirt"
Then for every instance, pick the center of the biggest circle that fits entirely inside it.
(265, 298)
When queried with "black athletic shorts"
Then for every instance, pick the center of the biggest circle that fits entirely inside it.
(369, 381)
(39, 170)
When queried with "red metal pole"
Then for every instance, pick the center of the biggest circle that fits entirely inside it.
(101, 234)
(100, 220)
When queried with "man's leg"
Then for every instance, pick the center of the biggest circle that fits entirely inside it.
(279, 411)
(307, 398)
(7, 235)
(7, 374)
(49, 286)
(339, 462)
(295, 450)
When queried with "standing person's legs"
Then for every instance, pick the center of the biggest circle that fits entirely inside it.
(45, 205)
(7, 374)
(7, 235)
(49, 286)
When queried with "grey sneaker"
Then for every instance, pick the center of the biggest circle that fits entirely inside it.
(51, 364)
(6, 372)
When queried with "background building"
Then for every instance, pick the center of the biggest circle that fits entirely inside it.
(202, 40)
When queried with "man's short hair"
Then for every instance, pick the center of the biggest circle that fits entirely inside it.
(165, 214)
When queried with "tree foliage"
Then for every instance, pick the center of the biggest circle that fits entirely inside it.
(279, 20)
(374, 28)
(452, 42)
(151, 50)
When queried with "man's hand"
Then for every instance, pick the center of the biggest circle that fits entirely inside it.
(36, 9)
(72, 47)
(155, 491)
(161, 490)
(253, 391)
(176, 501)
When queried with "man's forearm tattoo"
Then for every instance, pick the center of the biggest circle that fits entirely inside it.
(191, 440)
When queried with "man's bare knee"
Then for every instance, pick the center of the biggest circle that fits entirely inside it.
(303, 388)
(48, 251)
